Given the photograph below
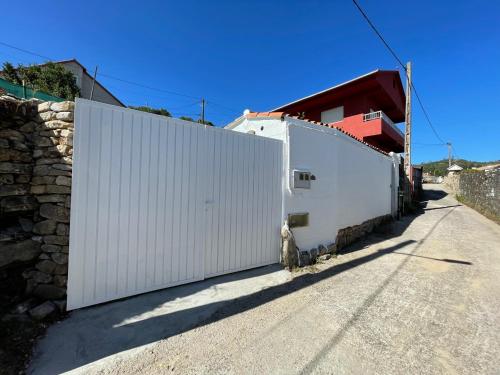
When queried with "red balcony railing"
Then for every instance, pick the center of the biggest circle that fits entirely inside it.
(381, 115)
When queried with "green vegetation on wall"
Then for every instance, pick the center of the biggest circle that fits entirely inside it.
(53, 79)
(24, 92)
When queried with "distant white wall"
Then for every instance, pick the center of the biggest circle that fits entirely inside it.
(265, 127)
(353, 182)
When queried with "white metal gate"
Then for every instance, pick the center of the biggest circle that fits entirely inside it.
(158, 202)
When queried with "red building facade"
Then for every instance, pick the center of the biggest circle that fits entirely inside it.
(368, 107)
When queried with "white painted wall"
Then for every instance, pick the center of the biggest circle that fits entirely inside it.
(266, 127)
(396, 161)
(353, 181)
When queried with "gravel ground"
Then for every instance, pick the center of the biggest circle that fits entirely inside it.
(424, 298)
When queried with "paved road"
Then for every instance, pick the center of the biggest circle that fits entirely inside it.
(423, 298)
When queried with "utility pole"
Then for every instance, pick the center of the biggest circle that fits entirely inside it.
(407, 161)
(202, 111)
(449, 154)
(93, 83)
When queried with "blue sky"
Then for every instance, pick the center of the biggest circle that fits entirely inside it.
(260, 54)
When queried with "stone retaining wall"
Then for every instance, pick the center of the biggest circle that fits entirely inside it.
(452, 182)
(478, 189)
(349, 235)
(345, 237)
(36, 146)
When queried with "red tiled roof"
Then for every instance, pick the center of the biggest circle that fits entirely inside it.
(265, 114)
(283, 114)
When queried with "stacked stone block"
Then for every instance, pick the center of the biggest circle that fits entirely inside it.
(35, 171)
(478, 189)
(345, 237)
(17, 206)
(349, 235)
(482, 190)
(51, 186)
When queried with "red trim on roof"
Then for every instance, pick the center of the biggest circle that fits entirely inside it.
(347, 94)
(328, 90)
(264, 114)
(283, 114)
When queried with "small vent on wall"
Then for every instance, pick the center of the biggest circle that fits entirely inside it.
(298, 220)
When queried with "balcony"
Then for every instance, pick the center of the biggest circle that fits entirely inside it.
(381, 115)
(375, 128)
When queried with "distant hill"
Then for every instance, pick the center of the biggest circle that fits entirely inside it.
(438, 168)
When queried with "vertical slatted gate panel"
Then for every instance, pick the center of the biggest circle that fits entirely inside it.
(244, 203)
(158, 202)
(137, 208)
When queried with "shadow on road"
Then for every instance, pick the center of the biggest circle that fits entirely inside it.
(311, 365)
(440, 208)
(122, 332)
(433, 195)
(120, 335)
(440, 260)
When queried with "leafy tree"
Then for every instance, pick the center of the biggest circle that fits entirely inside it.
(187, 118)
(209, 123)
(156, 111)
(51, 78)
(9, 73)
(164, 112)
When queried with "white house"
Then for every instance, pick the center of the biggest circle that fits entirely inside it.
(198, 201)
(454, 169)
(331, 180)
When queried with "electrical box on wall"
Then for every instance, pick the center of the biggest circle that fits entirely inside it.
(298, 220)
(302, 179)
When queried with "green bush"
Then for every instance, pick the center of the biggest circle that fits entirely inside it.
(156, 111)
(51, 78)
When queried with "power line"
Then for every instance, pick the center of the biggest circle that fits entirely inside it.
(25, 51)
(426, 115)
(224, 107)
(379, 35)
(365, 16)
(104, 75)
(138, 94)
(187, 114)
(455, 154)
(185, 105)
(149, 87)
(427, 144)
